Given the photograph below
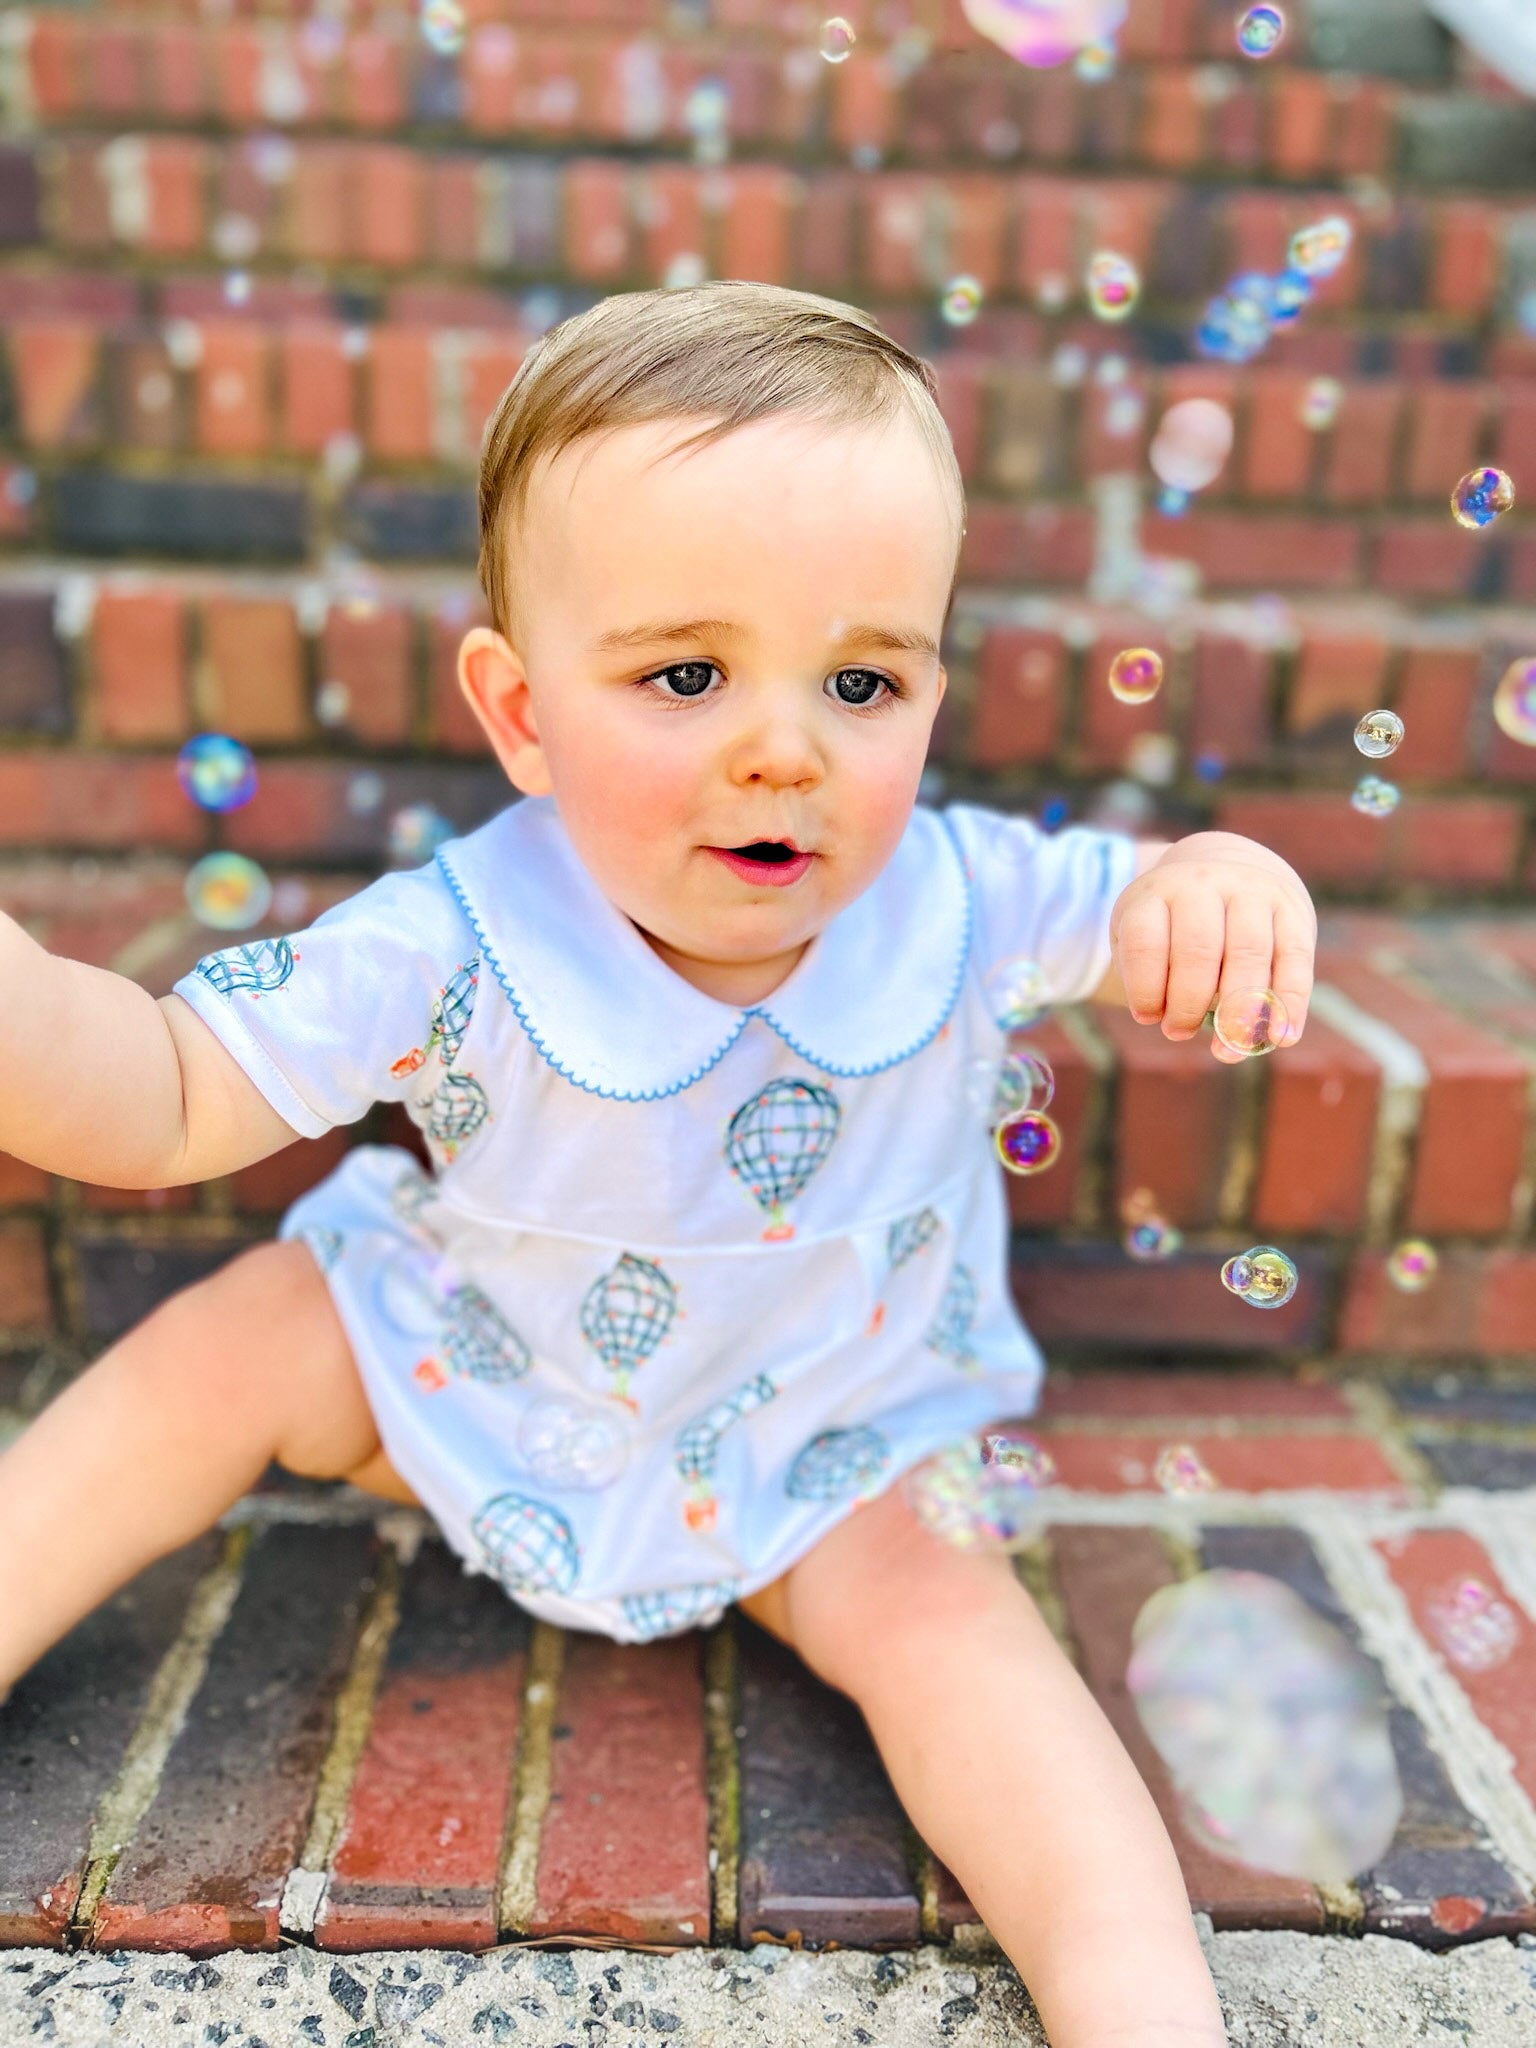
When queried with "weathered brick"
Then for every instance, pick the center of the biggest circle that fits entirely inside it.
(1095, 1297)
(1165, 1086)
(54, 364)
(251, 672)
(1020, 697)
(105, 512)
(122, 1279)
(232, 385)
(1273, 1463)
(34, 685)
(403, 522)
(138, 665)
(1318, 1136)
(369, 647)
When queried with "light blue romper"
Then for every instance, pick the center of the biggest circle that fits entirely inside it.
(688, 1282)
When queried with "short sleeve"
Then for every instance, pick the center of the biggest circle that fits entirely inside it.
(332, 1019)
(1043, 896)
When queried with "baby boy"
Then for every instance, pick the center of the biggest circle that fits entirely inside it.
(714, 1246)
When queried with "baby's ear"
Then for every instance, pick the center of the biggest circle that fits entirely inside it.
(495, 684)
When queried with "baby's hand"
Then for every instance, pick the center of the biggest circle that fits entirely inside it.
(1214, 915)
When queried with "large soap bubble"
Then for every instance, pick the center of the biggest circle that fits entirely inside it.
(1041, 33)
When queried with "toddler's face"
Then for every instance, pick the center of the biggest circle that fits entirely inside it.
(733, 646)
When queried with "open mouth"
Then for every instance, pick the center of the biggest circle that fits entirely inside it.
(772, 850)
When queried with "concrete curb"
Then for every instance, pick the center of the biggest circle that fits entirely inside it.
(1280, 1991)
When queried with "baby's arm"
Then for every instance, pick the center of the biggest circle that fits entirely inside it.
(101, 1082)
(1210, 914)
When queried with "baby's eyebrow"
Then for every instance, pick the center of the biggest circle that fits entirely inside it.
(853, 639)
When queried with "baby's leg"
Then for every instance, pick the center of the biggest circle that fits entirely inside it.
(1010, 1772)
(151, 1444)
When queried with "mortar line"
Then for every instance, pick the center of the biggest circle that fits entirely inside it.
(723, 1775)
(531, 1780)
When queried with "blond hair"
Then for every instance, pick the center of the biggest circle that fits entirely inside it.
(729, 352)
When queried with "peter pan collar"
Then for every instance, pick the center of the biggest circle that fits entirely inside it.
(873, 988)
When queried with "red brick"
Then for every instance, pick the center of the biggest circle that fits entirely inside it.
(668, 206)
(1108, 729)
(1041, 544)
(865, 108)
(234, 412)
(1229, 702)
(17, 501)
(272, 1183)
(1360, 458)
(1435, 692)
(1459, 842)
(1020, 697)
(488, 71)
(22, 1186)
(1430, 558)
(176, 170)
(827, 222)
(974, 213)
(1467, 1160)
(1046, 259)
(370, 647)
(1164, 28)
(1374, 1317)
(1339, 676)
(1365, 136)
(1467, 260)
(558, 94)
(1049, 1200)
(1316, 831)
(490, 362)
(1113, 427)
(1318, 1136)
(1515, 442)
(251, 676)
(900, 233)
(398, 416)
(25, 1304)
(454, 185)
(389, 206)
(1276, 451)
(177, 74)
(455, 727)
(1261, 224)
(236, 51)
(80, 212)
(1445, 437)
(1272, 552)
(56, 64)
(597, 214)
(138, 665)
(1173, 119)
(1272, 1463)
(1302, 117)
(1238, 127)
(1428, 1565)
(62, 798)
(137, 1201)
(1024, 451)
(114, 87)
(319, 212)
(54, 366)
(1163, 1396)
(1123, 216)
(757, 226)
(624, 1850)
(1163, 1087)
(962, 400)
(318, 402)
(147, 393)
(1507, 1313)
(373, 89)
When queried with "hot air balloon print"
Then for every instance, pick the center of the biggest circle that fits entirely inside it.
(776, 1141)
(840, 1464)
(949, 1332)
(478, 1343)
(325, 1242)
(529, 1545)
(257, 969)
(452, 1008)
(625, 1315)
(453, 1112)
(697, 1446)
(677, 1607)
(909, 1235)
(410, 1194)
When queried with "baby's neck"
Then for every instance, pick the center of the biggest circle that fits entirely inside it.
(737, 982)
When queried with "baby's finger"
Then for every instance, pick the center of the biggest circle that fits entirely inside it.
(1295, 949)
(1194, 962)
(1141, 949)
(1248, 958)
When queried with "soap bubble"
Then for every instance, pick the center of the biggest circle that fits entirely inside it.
(1041, 33)
(1289, 295)
(1319, 249)
(1259, 30)
(837, 39)
(581, 1444)
(1181, 1469)
(1374, 798)
(1251, 1021)
(1022, 1455)
(1135, 675)
(961, 301)
(1268, 1277)
(1320, 403)
(1171, 503)
(1152, 1239)
(1027, 1143)
(1273, 1727)
(1019, 993)
(1191, 445)
(997, 1091)
(1095, 62)
(1514, 702)
(228, 891)
(442, 26)
(416, 832)
(217, 772)
(975, 1502)
(1474, 1627)
(1481, 496)
(1378, 734)
(1114, 285)
(1412, 1265)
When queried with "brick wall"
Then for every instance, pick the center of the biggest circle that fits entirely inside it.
(264, 271)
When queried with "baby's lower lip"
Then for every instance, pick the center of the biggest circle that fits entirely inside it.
(772, 874)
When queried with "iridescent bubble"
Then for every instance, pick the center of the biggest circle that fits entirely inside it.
(442, 26)
(1412, 1265)
(416, 832)
(1250, 1021)
(1232, 330)
(1320, 404)
(1019, 992)
(1374, 798)
(1319, 249)
(579, 1444)
(1028, 1143)
(1031, 1461)
(228, 891)
(1113, 285)
(1378, 734)
(961, 302)
(1181, 1469)
(1152, 1239)
(1475, 1628)
(1291, 292)
(1171, 503)
(1135, 675)
(1272, 1278)
(1259, 30)
(217, 772)
(1481, 497)
(1191, 445)
(969, 1500)
(1272, 1725)
(836, 40)
(1095, 62)
(1514, 702)
(1024, 1081)
(1042, 33)
(1237, 1274)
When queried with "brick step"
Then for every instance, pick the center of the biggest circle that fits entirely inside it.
(402, 1760)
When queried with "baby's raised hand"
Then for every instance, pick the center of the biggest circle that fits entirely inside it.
(1214, 915)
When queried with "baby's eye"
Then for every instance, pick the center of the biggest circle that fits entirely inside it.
(859, 688)
(683, 679)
